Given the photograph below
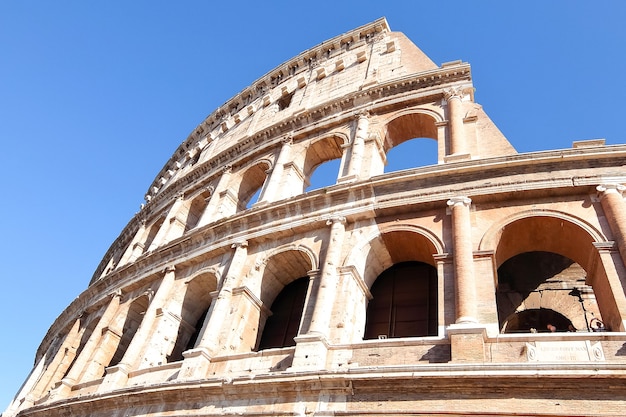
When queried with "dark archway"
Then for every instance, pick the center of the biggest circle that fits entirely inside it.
(282, 326)
(404, 302)
(540, 288)
(541, 320)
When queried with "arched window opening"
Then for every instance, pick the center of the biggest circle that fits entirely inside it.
(254, 198)
(196, 333)
(136, 312)
(543, 291)
(323, 156)
(196, 209)
(404, 302)
(154, 229)
(324, 175)
(250, 186)
(412, 153)
(195, 307)
(541, 320)
(90, 324)
(282, 326)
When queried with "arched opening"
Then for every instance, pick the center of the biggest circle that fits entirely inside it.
(412, 153)
(550, 262)
(324, 175)
(89, 323)
(404, 302)
(282, 326)
(135, 314)
(250, 186)
(196, 209)
(281, 271)
(195, 307)
(323, 156)
(411, 131)
(538, 320)
(154, 229)
(394, 247)
(542, 292)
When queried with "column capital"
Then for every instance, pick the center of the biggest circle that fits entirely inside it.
(609, 188)
(336, 219)
(116, 293)
(287, 139)
(453, 92)
(362, 115)
(239, 244)
(461, 200)
(169, 268)
(227, 169)
(209, 189)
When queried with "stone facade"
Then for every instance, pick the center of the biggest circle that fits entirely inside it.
(491, 283)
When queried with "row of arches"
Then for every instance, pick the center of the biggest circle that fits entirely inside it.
(550, 277)
(407, 141)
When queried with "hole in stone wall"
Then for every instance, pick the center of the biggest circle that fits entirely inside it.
(285, 101)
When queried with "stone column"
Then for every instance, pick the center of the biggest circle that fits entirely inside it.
(118, 375)
(467, 336)
(608, 287)
(357, 151)
(86, 356)
(206, 217)
(218, 206)
(614, 208)
(172, 227)
(61, 361)
(463, 260)
(312, 347)
(197, 360)
(136, 247)
(275, 180)
(458, 142)
(329, 277)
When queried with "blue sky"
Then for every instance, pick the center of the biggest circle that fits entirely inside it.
(96, 96)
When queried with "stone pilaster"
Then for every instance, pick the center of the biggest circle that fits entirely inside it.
(136, 247)
(463, 260)
(272, 191)
(614, 208)
(118, 375)
(90, 350)
(197, 360)
(607, 277)
(357, 151)
(458, 141)
(311, 348)
(59, 364)
(467, 337)
(212, 211)
(172, 227)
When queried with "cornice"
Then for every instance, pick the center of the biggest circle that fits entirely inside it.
(469, 381)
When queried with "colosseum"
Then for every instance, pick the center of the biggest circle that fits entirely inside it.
(491, 283)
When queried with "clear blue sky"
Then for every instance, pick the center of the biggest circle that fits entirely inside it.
(96, 96)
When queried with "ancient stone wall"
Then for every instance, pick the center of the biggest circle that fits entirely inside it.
(192, 310)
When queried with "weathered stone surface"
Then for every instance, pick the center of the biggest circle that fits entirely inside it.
(518, 248)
